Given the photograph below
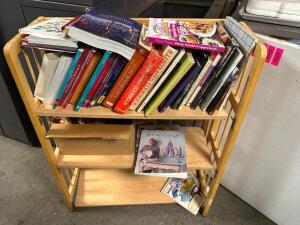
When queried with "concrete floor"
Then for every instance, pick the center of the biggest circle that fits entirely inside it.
(28, 195)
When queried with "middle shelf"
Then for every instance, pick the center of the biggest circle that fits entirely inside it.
(114, 148)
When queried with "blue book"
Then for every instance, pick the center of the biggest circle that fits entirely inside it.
(67, 78)
(194, 71)
(92, 80)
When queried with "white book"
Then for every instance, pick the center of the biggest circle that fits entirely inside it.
(161, 153)
(226, 73)
(48, 67)
(59, 76)
(198, 87)
(56, 41)
(162, 79)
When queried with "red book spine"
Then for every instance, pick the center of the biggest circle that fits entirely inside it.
(75, 73)
(97, 82)
(139, 81)
(126, 76)
(84, 67)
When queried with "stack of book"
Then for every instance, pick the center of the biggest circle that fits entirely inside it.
(124, 65)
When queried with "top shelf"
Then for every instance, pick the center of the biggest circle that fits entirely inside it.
(102, 112)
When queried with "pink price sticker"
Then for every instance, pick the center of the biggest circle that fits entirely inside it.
(271, 50)
(277, 56)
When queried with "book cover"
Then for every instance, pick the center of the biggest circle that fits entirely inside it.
(87, 73)
(58, 78)
(115, 61)
(142, 51)
(215, 87)
(186, 63)
(115, 73)
(47, 71)
(203, 76)
(84, 58)
(186, 192)
(67, 78)
(139, 81)
(161, 153)
(174, 64)
(108, 32)
(184, 34)
(94, 78)
(193, 72)
(110, 59)
(168, 55)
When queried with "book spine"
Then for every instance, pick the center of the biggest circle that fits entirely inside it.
(100, 78)
(97, 95)
(92, 80)
(112, 80)
(71, 89)
(73, 76)
(126, 76)
(138, 82)
(185, 44)
(168, 55)
(67, 78)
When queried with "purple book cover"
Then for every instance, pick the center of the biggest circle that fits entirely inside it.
(194, 35)
(179, 87)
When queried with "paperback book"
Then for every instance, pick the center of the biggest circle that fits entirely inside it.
(161, 153)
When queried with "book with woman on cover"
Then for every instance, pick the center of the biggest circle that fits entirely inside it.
(161, 153)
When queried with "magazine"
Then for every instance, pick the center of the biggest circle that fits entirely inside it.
(183, 34)
(186, 192)
(161, 153)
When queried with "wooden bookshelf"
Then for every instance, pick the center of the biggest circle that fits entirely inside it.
(92, 164)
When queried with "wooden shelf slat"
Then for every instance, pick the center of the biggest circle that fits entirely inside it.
(196, 149)
(102, 112)
(105, 131)
(118, 187)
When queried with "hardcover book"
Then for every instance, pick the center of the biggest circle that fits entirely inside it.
(186, 192)
(186, 63)
(139, 81)
(142, 51)
(161, 153)
(112, 33)
(168, 55)
(183, 34)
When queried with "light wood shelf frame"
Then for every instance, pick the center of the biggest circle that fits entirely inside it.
(218, 136)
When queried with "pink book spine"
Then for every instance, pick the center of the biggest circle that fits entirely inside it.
(185, 44)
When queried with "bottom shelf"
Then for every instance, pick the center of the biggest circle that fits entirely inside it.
(118, 187)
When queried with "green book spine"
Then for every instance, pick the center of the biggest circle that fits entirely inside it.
(186, 63)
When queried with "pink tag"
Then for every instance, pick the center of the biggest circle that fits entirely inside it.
(271, 50)
(277, 56)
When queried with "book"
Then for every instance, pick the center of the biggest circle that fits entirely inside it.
(108, 32)
(204, 62)
(184, 34)
(168, 55)
(161, 153)
(171, 67)
(58, 78)
(48, 68)
(115, 61)
(89, 98)
(193, 72)
(215, 86)
(203, 76)
(139, 81)
(142, 51)
(186, 192)
(67, 78)
(85, 56)
(115, 73)
(186, 63)
(94, 78)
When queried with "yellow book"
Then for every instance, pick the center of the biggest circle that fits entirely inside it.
(185, 64)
